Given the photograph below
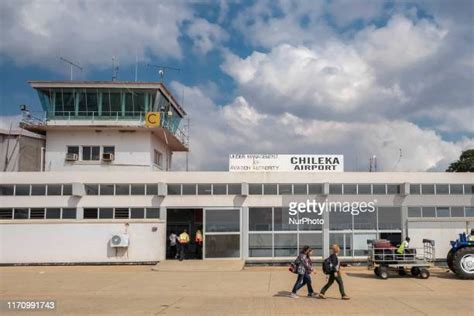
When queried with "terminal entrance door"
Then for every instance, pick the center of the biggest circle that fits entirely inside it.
(179, 219)
(222, 233)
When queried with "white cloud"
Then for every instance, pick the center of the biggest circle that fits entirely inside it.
(239, 127)
(206, 36)
(91, 32)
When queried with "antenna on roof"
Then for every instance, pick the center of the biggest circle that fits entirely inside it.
(373, 164)
(163, 69)
(115, 69)
(71, 65)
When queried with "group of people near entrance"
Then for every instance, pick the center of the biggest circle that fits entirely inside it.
(179, 245)
(303, 267)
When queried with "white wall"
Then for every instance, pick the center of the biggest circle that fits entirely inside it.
(157, 144)
(132, 150)
(80, 241)
(442, 232)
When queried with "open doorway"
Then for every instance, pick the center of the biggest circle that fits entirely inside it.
(179, 219)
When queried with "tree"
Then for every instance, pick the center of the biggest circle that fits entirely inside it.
(464, 164)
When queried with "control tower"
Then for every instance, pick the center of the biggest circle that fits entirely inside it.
(107, 125)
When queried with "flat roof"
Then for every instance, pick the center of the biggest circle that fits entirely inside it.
(45, 84)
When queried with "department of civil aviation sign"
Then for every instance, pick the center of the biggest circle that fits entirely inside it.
(285, 163)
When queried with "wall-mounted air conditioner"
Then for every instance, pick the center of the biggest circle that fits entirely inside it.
(107, 157)
(71, 157)
(119, 240)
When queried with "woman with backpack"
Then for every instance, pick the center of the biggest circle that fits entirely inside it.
(334, 274)
(304, 268)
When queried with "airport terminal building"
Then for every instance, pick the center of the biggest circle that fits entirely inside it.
(105, 172)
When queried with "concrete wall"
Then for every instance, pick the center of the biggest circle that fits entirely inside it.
(24, 153)
(442, 232)
(80, 241)
(133, 150)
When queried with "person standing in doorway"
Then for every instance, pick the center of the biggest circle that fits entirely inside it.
(173, 240)
(334, 274)
(183, 244)
(198, 240)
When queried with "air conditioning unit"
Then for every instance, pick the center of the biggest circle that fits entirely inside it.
(71, 157)
(107, 157)
(119, 240)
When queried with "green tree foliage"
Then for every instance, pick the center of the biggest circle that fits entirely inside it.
(464, 164)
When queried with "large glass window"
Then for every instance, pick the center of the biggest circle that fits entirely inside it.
(67, 189)
(360, 243)
(442, 189)
(286, 245)
(222, 220)
(429, 211)
(106, 189)
(151, 189)
(393, 189)
(7, 189)
(457, 211)
(137, 189)
(335, 189)
(427, 189)
(91, 213)
(270, 189)
(20, 213)
(174, 189)
(234, 188)
(456, 189)
(219, 189)
(122, 189)
(389, 218)
(222, 246)
(91, 153)
(364, 189)
(469, 211)
(92, 189)
(153, 212)
(69, 213)
(260, 245)
(300, 189)
(53, 213)
(204, 189)
(365, 220)
(350, 189)
(379, 189)
(315, 188)
(38, 189)
(281, 219)
(344, 241)
(442, 212)
(189, 189)
(339, 220)
(260, 219)
(313, 216)
(255, 189)
(137, 213)
(285, 189)
(414, 212)
(54, 189)
(415, 189)
(315, 241)
(22, 189)
(106, 213)
(468, 189)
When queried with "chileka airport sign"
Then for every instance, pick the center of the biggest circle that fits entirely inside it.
(152, 119)
(285, 163)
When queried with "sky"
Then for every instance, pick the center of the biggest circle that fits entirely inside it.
(352, 77)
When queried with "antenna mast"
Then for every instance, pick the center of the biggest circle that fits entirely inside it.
(115, 69)
(71, 65)
(163, 69)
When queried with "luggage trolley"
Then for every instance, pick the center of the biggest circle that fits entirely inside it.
(417, 261)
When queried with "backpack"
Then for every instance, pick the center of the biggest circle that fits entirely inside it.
(328, 267)
(297, 267)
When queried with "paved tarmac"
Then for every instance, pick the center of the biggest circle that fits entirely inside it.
(137, 290)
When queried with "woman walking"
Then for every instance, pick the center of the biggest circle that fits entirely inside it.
(335, 274)
(304, 270)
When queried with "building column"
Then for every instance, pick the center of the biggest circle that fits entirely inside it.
(404, 210)
(245, 233)
(326, 235)
(79, 213)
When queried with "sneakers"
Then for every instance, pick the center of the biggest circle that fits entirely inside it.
(312, 294)
(293, 295)
(322, 296)
(345, 298)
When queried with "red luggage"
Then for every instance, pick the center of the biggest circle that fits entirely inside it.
(383, 244)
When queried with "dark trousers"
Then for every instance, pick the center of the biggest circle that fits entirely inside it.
(332, 278)
(198, 251)
(183, 249)
(302, 280)
(173, 252)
